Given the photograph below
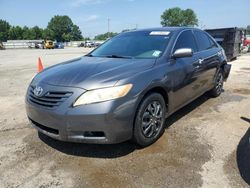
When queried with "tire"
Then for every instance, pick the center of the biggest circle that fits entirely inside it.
(149, 122)
(218, 88)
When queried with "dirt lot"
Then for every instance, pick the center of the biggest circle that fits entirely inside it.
(206, 144)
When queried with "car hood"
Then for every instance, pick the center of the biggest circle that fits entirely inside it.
(92, 72)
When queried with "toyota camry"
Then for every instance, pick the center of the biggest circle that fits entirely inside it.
(127, 87)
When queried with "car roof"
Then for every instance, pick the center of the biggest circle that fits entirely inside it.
(171, 29)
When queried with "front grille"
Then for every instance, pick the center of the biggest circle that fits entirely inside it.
(51, 99)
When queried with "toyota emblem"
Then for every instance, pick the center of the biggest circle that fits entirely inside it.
(38, 91)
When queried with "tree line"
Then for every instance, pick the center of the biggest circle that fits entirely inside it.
(60, 28)
(105, 36)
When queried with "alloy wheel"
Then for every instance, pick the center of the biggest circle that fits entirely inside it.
(152, 119)
(219, 83)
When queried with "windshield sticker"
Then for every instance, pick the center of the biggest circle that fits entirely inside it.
(156, 53)
(165, 33)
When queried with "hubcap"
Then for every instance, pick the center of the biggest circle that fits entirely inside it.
(219, 83)
(152, 119)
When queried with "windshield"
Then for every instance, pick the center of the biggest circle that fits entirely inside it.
(141, 44)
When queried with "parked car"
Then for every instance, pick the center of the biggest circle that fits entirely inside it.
(97, 44)
(89, 44)
(82, 44)
(48, 44)
(126, 88)
(59, 45)
(39, 45)
(31, 45)
(246, 42)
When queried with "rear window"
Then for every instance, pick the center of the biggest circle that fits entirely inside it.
(203, 41)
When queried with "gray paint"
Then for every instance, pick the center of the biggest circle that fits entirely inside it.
(183, 80)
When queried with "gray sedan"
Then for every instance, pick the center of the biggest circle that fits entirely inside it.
(127, 87)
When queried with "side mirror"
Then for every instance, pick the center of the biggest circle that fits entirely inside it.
(183, 52)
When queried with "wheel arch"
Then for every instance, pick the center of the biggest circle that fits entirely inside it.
(225, 71)
(154, 89)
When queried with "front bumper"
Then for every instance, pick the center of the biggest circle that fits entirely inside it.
(101, 123)
(226, 71)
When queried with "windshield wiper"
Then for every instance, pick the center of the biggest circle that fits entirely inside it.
(118, 56)
(89, 55)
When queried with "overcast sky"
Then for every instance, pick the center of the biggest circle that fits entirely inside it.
(92, 15)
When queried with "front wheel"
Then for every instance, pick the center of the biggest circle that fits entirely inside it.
(218, 88)
(149, 120)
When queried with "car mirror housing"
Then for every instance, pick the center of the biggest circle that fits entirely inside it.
(183, 52)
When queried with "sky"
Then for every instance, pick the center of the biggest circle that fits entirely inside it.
(92, 15)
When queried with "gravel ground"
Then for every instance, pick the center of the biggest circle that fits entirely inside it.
(206, 144)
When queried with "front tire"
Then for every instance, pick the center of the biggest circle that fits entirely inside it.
(149, 120)
(218, 88)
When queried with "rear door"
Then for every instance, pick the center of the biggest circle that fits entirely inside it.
(186, 76)
(208, 59)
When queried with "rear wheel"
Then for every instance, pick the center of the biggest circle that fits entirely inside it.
(149, 121)
(218, 88)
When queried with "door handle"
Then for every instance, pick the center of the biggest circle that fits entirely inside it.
(201, 61)
(198, 64)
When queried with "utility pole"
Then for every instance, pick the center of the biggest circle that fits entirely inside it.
(108, 28)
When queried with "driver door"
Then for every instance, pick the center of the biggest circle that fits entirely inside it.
(186, 71)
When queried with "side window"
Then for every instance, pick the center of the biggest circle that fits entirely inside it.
(186, 40)
(203, 41)
(213, 44)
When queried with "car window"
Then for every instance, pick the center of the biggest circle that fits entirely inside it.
(186, 40)
(203, 41)
(141, 44)
(213, 44)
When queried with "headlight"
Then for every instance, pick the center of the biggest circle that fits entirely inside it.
(104, 94)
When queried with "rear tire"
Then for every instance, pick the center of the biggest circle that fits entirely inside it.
(149, 120)
(218, 88)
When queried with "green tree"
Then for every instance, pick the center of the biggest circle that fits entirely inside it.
(66, 37)
(190, 18)
(16, 33)
(4, 30)
(76, 33)
(28, 33)
(178, 17)
(48, 34)
(60, 28)
(105, 36)
(63, 29)
(37, 32)
(86, 39)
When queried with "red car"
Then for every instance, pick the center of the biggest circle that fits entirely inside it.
(246, 42)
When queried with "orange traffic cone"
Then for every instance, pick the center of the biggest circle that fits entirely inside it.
(39, 65)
